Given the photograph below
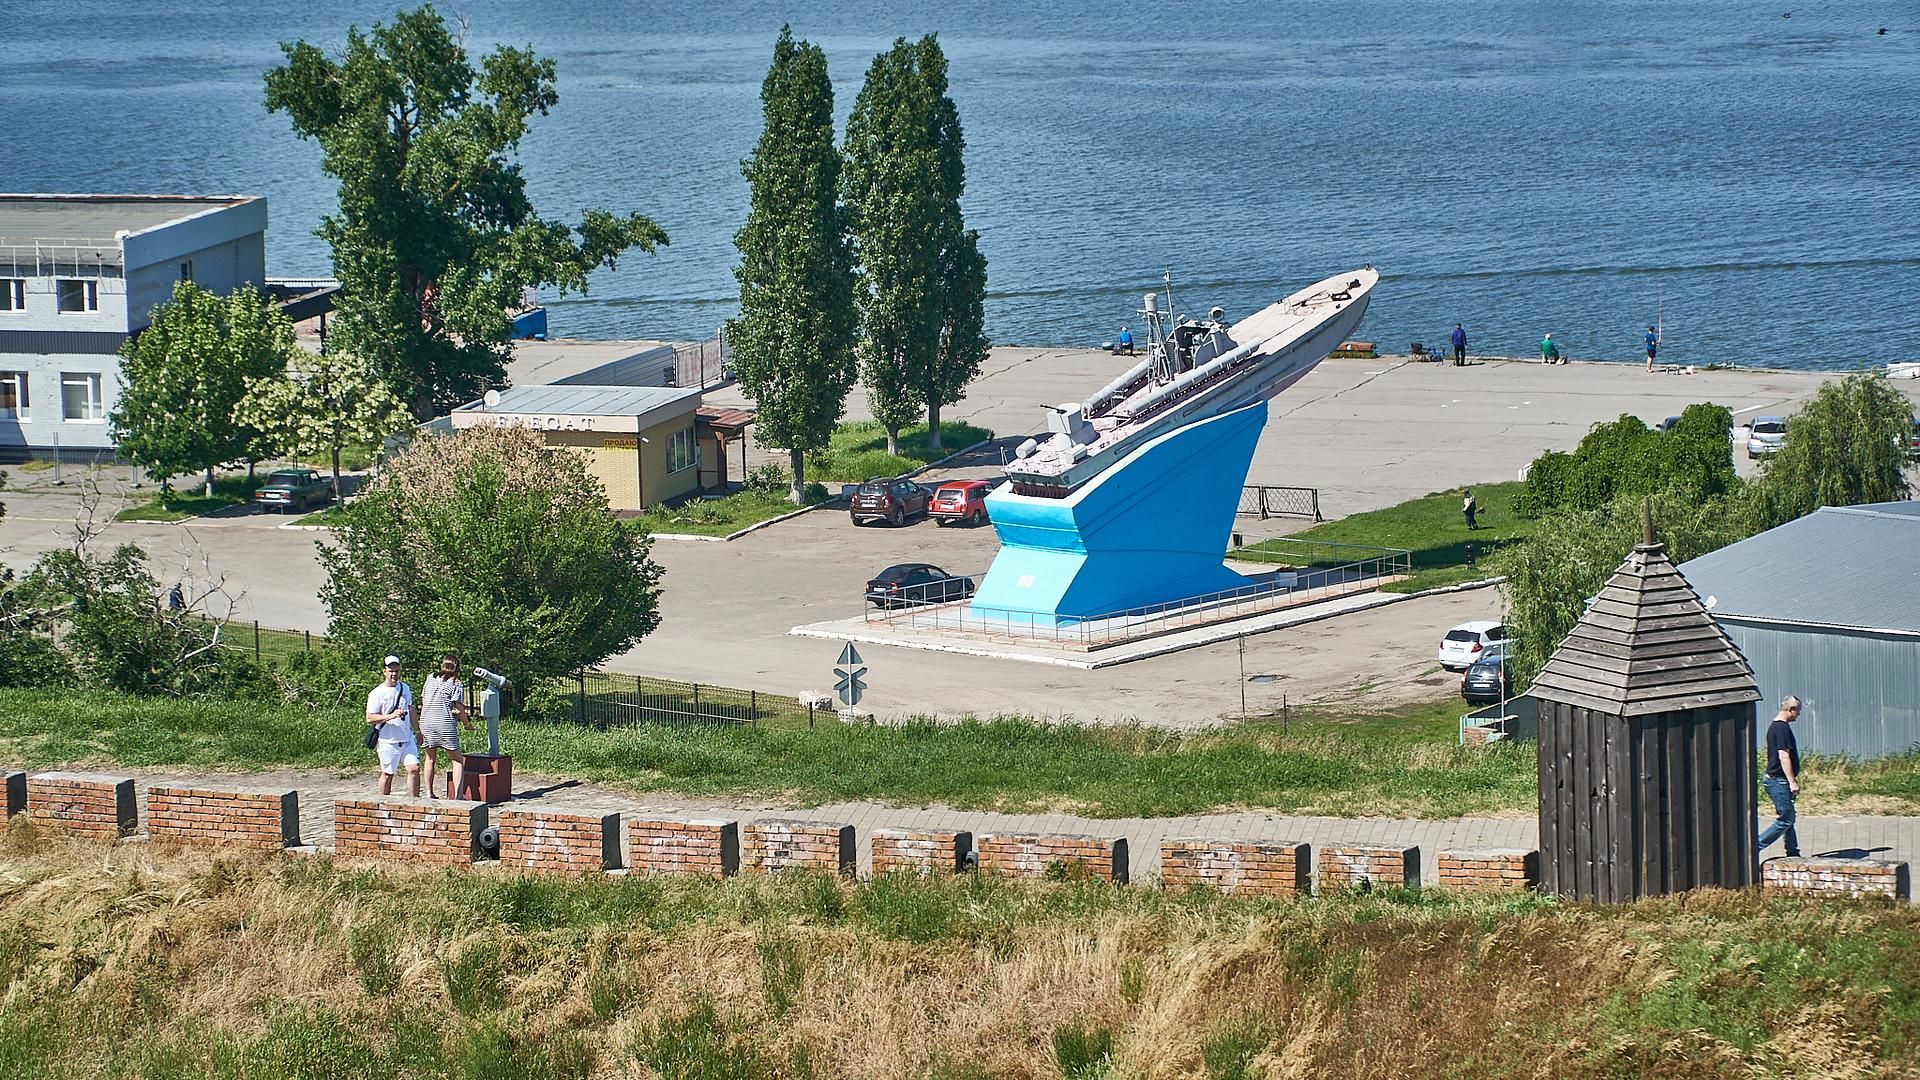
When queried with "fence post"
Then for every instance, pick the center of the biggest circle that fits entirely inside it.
(696, 701)
(753, 706)
(809, 715)
(580, 712)
(256, 641)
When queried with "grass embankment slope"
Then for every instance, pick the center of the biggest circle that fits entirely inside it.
(139, 960)
(1443, 551)
(1402, 763)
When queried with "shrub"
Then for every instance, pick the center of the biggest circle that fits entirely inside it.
(488, 543)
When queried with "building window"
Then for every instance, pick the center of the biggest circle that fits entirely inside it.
(79, 295)
(680, 451)
(80, 396)
(13, 294)
(186, 270)
(13, 395)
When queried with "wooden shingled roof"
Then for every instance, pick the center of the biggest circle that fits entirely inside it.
(1646, 645)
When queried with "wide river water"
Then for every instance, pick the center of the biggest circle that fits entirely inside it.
(1750, 173)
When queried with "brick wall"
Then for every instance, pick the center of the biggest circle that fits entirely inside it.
(16, 793)
(558, 841)
(675, 846)
(1029, 855)
(86, 803)
(1344, 866)
(422, 830)
(921, 851)
(1836, 877)
(269, 820)
(1245, 867)
(773, 844)
(1496, 870)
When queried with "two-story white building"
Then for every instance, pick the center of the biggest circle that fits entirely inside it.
(79, 274)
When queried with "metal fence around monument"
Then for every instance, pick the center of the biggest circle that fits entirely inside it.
(1307, 571)
(1265, 501)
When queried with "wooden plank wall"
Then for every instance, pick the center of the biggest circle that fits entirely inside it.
(1645, 806)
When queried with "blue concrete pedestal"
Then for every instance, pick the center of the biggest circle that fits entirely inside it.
(1152, 529)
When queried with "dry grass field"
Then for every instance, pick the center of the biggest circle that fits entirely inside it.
(142, 960)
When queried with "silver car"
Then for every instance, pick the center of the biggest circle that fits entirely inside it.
(1765, 435)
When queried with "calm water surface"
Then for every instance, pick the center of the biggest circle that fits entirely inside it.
(1518, 166)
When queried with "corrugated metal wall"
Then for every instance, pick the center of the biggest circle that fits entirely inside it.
(1861, 691)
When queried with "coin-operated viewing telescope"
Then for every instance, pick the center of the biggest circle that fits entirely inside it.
(491, 773)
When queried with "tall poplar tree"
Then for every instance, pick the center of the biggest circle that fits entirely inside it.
(922, 278)
(435, 237)
(962, 269)
(891, 181)
(793, 344)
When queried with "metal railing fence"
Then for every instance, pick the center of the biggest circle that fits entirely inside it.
(704, 364)
(1311, 571)
(616, 699)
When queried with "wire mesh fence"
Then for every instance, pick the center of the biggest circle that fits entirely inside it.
(615, 699)
(1267, 501)
(701, 363)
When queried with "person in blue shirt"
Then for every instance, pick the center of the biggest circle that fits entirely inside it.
(1653, 344)
(1782, 778)
(1459, 346)
(1126, 342)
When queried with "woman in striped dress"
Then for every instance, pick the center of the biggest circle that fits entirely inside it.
(442, 709)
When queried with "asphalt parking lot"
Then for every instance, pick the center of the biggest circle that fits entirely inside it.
(1366, 433)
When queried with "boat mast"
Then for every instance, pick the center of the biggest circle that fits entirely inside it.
(1159, 341)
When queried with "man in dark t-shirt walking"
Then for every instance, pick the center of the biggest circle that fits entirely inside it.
(1782, 778)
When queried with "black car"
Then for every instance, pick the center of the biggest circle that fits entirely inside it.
(1487, 681)
(916, 583)
(892, 501)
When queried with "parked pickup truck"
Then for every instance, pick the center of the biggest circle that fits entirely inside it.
(293, 490)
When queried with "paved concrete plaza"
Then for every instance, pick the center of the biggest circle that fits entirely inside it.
(1367, 433)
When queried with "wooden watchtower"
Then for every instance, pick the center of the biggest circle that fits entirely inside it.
(1646, 748)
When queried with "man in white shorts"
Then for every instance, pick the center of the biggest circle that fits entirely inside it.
(390, 712)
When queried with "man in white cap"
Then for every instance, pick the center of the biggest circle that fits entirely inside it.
(390, 714)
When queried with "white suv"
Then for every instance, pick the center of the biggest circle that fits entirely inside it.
(1463, 643)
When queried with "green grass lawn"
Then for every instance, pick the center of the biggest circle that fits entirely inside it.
(1443, 551)
(189, 499)
(331, 516)
(858, 450)
(717, 517)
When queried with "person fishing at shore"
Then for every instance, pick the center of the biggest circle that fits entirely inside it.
(1549, 352)
(1653, 345)
(1459, 338)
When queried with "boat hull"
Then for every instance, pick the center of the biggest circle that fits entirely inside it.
(1151, 530)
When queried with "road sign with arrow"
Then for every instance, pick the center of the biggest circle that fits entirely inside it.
(852, 684)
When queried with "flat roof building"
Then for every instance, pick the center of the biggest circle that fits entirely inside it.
(638, 441)
(1827, 608)
(79, 274)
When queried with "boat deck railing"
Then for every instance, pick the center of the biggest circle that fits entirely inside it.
(1308, 571)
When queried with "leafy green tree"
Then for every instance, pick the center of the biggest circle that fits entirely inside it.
(963, 338)
(321, 405)
(1626, 459)
(435, 237)
(893, 188)
(487, 542)
(1551, 576)
(181, 378)
(962, 269)
(1845, 447)
(793, 344)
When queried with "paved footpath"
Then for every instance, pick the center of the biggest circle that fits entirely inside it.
(1861, 836)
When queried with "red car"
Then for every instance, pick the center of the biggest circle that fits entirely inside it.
(960, 500)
